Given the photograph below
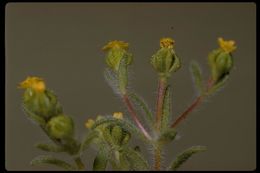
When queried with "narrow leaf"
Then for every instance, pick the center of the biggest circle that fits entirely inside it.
(166, 109)
(35, 118)
(122, 75)
(183, 157)
(135, 159)
(197, 77)
(88, 139)
(112, 80)
(50, 148)
(45, 159)
(140, 102)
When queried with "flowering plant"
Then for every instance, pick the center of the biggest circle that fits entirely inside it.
(110, 135)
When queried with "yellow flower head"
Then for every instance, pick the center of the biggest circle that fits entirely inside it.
(167, 42)
(118, 115)
(115, 44)
(35, 83)
(89, 124)
(227, 46)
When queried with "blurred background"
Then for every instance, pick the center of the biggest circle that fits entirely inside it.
(61, 42)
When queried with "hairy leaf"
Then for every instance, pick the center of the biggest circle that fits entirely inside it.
(35, 118)
(197, 77)
(112, 80)
(183, 157)
(140, 102)
(46, 159)
(122, 75)
(50, 148)
(135, 159)
(88, 140)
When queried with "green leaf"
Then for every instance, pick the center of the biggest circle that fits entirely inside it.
(35, 118)
(183, 157)
(218, 85)
(50, 148)
(122, 75)
(197, 76)
(88, 139)
(167, 135)
(112, 80)
(140, 102)
(135, 159)
(101, 160)
(46, 159)
(124, 124)
(166, 109)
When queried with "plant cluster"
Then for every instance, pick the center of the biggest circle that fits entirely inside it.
(110, 135)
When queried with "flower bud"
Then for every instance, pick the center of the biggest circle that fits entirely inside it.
(221, 60)
(61, 127)
(89, 124)
(116, 50)
(165, 59)
(38, 99)
(118, 115)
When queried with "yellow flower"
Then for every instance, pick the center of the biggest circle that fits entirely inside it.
(227, 46)
(115, 44)
(118, 115)
(89, 124)
(167, 42)
(35, 83)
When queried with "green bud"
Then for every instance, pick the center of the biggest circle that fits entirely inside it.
(220, 63)
(44, 104)
(116, 51)
(61, 127)
(165, 59)
(221, 60)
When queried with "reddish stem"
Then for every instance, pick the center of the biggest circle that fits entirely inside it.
(195, 103)
(134, 115)
(160, 97)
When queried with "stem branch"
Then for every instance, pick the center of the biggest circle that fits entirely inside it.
(134, 115)
(194, 104)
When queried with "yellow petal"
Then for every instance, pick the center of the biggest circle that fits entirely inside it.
(35, 83)
(167, 42)
(115, 44)
(118, 115)
(227, 46)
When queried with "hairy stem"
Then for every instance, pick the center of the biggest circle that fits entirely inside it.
(157, 158)
(132, 112)
(160, 97)
(194, 104)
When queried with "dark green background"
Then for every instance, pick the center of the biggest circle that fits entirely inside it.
(61, 42)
